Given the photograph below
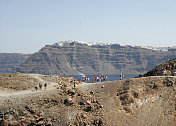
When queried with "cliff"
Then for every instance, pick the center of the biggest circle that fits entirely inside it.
(74, 57)
(9, 61)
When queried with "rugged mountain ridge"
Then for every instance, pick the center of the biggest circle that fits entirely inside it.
(74, 57)
(9, 61)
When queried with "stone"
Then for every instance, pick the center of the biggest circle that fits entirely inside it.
(91, 92)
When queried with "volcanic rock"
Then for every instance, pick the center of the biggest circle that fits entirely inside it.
(169, 67)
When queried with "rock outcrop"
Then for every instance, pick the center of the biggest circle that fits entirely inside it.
(166, 68)
(136, 101)
(74, 58)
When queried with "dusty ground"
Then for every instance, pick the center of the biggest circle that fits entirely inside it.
(133, 102)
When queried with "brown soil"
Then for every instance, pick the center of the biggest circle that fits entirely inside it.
(16, 81)
(132, 102)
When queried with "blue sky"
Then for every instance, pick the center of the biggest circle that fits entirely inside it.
(28, 25)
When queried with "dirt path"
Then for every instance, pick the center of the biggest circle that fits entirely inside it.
(49, 83)
(51, 86)
(9, 93)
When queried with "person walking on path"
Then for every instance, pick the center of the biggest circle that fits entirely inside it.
(164, 72)
(88, 80)
(106, 77)
(57, 85)
(74, 84)
(45, 85)
(121, 76)
(36, 88)
(98, 79)
(40, 86)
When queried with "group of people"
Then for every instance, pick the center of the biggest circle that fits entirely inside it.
(94, 79)
(169, 69)
(40, 85)
(58, 84)
(169, 73)
(99, 79)
(86, 79)
(122, 76)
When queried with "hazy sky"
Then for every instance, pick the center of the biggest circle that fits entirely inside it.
(28, 25)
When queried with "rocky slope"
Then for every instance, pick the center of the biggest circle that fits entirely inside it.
(134, 102)
(73, 58)
(9, 61)
(169, 67)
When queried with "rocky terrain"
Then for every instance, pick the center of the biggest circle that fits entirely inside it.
(9, 61)
(74, 58)
(131, 102)
(169, 67)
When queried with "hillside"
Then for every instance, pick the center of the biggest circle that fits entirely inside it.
(132, 102)
(9, 61)
(74, 57)
(169, 66)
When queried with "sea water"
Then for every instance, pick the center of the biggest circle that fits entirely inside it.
(109, 77)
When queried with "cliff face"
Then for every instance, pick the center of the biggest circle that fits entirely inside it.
(73, 58)
(9, 61)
